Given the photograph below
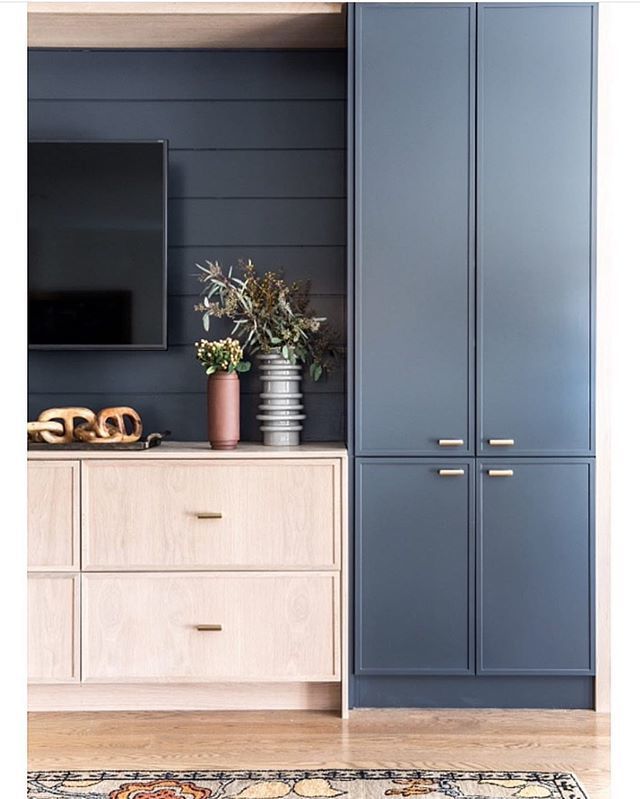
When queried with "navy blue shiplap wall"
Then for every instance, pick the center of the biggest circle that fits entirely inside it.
(256, 170)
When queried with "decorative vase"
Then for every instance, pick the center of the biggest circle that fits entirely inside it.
(223, 399)
(281, 401)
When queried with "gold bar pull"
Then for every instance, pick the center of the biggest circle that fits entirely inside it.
(450, 472)
(213, 515)
(209, 628)
(500, 472)
(501, 442)
(450, 442)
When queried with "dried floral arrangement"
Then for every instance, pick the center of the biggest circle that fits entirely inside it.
(268, 314)
(224, 355)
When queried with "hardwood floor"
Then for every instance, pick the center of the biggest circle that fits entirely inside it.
(555, 740)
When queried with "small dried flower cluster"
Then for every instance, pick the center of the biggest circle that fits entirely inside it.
(224, 355)
(268, 314)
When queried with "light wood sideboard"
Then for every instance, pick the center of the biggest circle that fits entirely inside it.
(187, 578)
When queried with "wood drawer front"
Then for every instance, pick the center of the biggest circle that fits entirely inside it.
(278, 514)
(275, 627)
(54, 515)
(53, 625)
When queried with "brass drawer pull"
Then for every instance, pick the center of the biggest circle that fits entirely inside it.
(501, 442)
(450, 442)
(450, 472)
(213, 515)
(500, 472)
(209, 628)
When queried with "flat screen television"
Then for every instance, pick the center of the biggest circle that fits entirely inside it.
(97, 245)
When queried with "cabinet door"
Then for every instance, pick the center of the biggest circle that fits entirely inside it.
(53, 628)
(535, 229)
(535, 580)
(414, 560)
(53, 515)
(414, 166)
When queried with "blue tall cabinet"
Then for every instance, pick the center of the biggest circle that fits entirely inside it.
(472, 419)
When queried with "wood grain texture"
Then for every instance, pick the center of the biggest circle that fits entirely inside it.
(274, 514)
(345, 608)
(188, 697)
(53, 628)
(576, 741)
(53, 515)
(274, 627)
(206, 8)
(213, 25)
(200, 450)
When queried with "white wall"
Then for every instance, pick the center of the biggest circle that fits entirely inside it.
(619, 344)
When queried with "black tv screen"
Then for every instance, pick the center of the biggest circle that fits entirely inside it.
(97, 245)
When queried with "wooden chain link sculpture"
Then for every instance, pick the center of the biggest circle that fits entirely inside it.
(118, 425)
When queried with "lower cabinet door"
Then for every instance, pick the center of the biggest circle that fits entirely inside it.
(414, 560)
(53, 628)
(535, 558)
(197, 627)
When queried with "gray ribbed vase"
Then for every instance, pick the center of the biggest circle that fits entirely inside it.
(281, 401)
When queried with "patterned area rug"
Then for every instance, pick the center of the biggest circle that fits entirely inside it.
(325, 784)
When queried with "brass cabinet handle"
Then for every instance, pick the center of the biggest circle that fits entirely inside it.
(209, 628)
(450, 472)
(212, 515)
(501, 442)
(500, 472)
(450, 442)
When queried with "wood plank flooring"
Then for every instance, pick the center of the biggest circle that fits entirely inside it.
(553, 740)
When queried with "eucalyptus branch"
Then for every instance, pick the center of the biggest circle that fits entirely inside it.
(268, 314)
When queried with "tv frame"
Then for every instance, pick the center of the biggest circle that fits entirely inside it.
(165, 203)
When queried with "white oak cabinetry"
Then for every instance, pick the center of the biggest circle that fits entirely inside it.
(184, 578)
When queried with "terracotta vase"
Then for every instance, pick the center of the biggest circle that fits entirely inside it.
(223, 399)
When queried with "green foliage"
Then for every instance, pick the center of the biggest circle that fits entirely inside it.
(224, 355)
(268, 315)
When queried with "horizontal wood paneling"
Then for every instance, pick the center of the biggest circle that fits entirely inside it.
(323, 266)
(154, 371)
(186, 75)
(260, 124)
(184, 414)
(256, 171)
(266, 221)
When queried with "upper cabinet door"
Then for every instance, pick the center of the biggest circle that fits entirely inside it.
(414, 172)
(535, 229)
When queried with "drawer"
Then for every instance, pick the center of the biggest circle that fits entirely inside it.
(53, 628)
(53, 515)
(263, 627)
(189, 515)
